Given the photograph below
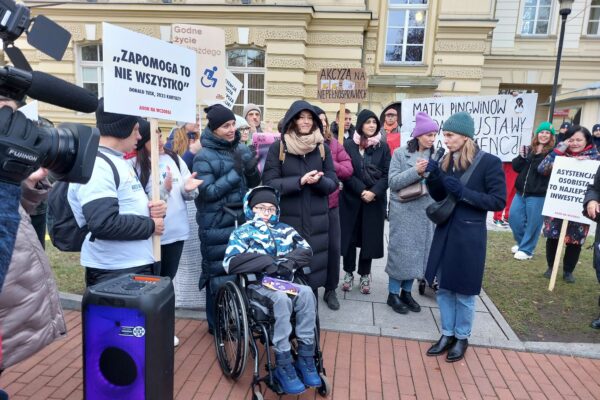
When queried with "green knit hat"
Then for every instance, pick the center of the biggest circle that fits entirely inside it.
(460, 123)
(545, 126)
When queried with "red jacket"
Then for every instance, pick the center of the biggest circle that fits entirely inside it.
(343, 168)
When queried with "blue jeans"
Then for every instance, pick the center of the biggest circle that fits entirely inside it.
(457, 312)
(526, 221)
(394, 285)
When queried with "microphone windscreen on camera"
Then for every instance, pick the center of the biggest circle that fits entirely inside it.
(61, 93)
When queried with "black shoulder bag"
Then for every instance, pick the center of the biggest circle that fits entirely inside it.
(440, 211)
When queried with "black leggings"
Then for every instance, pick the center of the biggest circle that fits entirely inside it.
(570, 258)
(170, 254)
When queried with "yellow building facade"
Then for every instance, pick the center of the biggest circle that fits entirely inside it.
(410, 48)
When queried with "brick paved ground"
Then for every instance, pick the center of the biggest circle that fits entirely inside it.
(359, 366)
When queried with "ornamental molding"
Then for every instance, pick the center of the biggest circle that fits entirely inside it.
(314, 65)
(461, 46)
(284, 89)
(454, 72)
(335, 38)
(288, 62)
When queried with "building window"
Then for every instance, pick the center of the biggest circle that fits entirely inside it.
(89, 57)
(594, 19)
(405, 34)
(248, 65)
(536, 17)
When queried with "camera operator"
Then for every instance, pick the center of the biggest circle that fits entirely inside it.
(114, 206)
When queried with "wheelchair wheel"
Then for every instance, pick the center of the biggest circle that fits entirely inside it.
(231, 333)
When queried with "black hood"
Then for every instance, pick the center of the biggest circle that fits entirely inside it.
(295, 109)
(362, 117)
(397, 105)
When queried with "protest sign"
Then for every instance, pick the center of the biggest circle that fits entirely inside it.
(342, 85)
(568, 184)
(147, 77)
(209, 44)
(503, 123)
(232, 89)
(30, 110)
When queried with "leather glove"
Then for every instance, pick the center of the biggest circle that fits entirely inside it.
(433, 167)
(562, 146)
(453, 186)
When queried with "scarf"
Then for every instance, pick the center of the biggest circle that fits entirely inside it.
(390, 128)
(371, 141)
(302, 145)
(578, 153)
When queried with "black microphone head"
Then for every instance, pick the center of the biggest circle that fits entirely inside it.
(49, 89)
(439, 154)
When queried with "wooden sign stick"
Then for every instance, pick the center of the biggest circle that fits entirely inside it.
(155, 179)
(559, 249)
(341, 123)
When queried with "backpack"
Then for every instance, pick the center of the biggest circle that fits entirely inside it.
(64, 232)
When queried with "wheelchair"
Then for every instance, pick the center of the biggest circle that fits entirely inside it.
(239, 324)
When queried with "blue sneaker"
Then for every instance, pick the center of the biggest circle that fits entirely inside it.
(305, 365)
(286, 375)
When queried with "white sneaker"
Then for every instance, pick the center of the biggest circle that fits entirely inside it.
(514, 249)
(175, 341)
(519, 255)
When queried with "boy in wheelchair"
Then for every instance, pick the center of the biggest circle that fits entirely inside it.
(265, 245)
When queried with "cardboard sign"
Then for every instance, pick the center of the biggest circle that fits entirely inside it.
(147, 77)
(30, 110)
(568, 184)
(503, 123)
(209, 44)
(233, 86)
(342, 85)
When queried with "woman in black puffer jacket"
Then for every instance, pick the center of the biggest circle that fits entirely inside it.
(300, 167)
(228, 169)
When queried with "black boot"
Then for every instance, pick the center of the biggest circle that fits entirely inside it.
(422, 285)
(441, 345)
(457, 351)
(397, 305)
(331, 300)
(409, 301)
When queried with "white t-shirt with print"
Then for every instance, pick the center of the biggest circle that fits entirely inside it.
(112, 254)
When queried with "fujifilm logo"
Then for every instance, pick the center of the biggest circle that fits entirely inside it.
(22, 155)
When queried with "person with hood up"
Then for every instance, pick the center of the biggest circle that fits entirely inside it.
(363, 200)
(267, 246)
(343, 169)
(596, 136)
(301, 168)
(227, 170)
(390, 127)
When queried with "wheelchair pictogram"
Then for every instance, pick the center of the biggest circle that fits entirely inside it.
(208, 80)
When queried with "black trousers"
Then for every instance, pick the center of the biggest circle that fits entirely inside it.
(333, 253)
(39, 224)
(570, 258)
(364, 264)
(94, 276)
(170, 254)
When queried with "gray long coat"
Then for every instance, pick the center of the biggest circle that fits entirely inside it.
(411, 232)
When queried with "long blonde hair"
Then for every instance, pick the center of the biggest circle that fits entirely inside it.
(181, 141)
(465, 157)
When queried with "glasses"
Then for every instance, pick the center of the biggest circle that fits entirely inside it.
(245, 129)
(266, 210)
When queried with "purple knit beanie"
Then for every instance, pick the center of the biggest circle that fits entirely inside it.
(424, 124)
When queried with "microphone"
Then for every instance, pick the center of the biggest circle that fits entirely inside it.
(437, 156)
(15, 83)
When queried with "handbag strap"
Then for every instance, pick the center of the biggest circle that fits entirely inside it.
(464, 179)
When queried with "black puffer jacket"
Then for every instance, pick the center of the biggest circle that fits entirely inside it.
(222, 185)
(530, 182)
(305, 207)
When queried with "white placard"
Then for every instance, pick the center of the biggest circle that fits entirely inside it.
(232, 89)
(503, 123)
(209, 44)
(147, 77)
(30, 110)
(568, 184)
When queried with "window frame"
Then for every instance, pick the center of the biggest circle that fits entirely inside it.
(551, 20)
(404, 44)
(81, 64)
(246, 71)
(588, 20)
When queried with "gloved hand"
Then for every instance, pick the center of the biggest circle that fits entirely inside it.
(238, 163)
(562, 146)
(249, 162)
(454, 186)
(433, 167)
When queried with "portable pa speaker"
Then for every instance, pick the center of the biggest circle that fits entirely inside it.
(128, 328)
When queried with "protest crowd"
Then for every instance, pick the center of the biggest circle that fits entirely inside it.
(309, 198)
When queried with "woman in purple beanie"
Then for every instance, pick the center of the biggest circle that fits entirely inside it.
(411, 231)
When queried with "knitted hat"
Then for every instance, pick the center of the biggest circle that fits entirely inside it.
(596, 127)
(263, 195)
(241, 122)
(424, 124)
(144, 133)
(250, 107)
(111, 124)
(545, 126)
(565, 125)
(461, 123)
(362, 117)
(218, 115)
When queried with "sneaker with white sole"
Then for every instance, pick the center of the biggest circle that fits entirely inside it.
(520, 255)
(175, 341)
(348, 282)
(514, 249)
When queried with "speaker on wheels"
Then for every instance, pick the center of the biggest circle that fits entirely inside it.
(128, 329)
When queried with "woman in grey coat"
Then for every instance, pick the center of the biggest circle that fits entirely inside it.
(411, 232)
